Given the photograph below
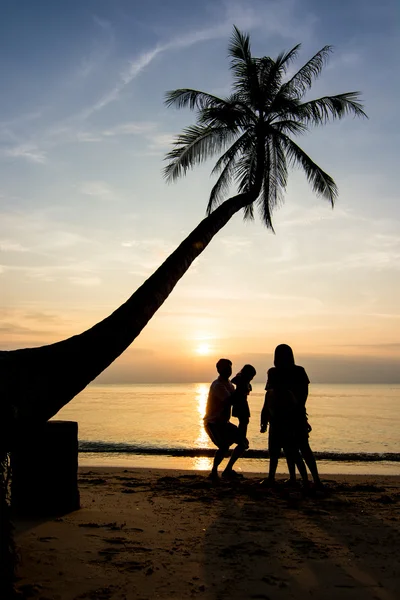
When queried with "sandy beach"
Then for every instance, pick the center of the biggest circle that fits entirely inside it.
(146, 534)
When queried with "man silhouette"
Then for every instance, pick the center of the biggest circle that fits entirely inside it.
(216, 421)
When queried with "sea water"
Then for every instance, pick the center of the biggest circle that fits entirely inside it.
(355, 428)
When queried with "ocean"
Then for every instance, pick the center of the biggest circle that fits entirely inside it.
(355, 427)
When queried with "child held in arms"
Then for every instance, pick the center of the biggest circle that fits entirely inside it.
(240, 405)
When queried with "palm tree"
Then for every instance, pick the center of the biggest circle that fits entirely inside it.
(253, 128)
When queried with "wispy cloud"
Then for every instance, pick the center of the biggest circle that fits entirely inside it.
(144, 254)
(159, 143)
(235, 245)
(9, 246)
(276, 17)
(71, 133)
(100, 47)
(29, 152)
(129, 128)
(89, 281)
(23, 118)
(98, 189)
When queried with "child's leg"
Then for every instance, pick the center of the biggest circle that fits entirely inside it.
(291, 468)
(310, 461)
(293, 455)
(243, 431)
(237, 453)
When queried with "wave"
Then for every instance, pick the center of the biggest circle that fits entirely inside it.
(123, 448)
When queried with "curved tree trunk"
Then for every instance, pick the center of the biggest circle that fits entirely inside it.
(35, 383)
(8, 556)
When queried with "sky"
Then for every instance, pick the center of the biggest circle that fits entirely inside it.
(86, 215)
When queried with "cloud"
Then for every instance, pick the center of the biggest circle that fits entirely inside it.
(22, 327)
(131, 367)
(79, 273)
(42, 317)
(160, 142)
(6, 246)
(276, 17)
(102, 23)
(99, 189)
(349, 59)
(87, 136)
(85, 281)
(29, 152)
(13, 329)
(71, 133)
(235, 245)
(130, 128)
(21, 119)
(100, 48)
(148, 244)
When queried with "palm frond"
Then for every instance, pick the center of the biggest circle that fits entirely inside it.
(280, 168)
(229, 115)
(303, 79)
(321, 110)
(193, 99)
(193, 146)
(244, 69)
(270, 79)
(289, 126)
(253, 127)
(248, 212)
(241, 144)
(321, 183)
(270, 72)
(268, 190)
(239, 46)
(274, 180)
(222, 185)
(226, 167)
(284, 59)
(282, 106)
(236, 101)
(245, 174)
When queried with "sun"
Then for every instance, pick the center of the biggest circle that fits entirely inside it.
(203, 349)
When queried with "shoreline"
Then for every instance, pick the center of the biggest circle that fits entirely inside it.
(252, 475)
(112, 470)
(249, 465)
(146, 533)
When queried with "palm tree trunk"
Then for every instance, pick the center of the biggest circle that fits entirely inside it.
(8, 557)
(35, 383)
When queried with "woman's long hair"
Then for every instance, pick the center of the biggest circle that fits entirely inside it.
(283, 357)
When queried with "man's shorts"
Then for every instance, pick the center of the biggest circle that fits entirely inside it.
(223, 435)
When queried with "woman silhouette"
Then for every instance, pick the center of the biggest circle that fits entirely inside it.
(285, 410)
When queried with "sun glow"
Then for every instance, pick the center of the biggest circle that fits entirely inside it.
(203, 349)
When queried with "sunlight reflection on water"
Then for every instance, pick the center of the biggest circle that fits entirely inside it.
(201, 400)
(345, 419)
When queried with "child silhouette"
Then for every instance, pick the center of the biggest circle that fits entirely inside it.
(240, 405)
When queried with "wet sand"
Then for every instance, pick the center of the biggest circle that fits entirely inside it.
(149, 533)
